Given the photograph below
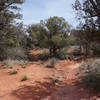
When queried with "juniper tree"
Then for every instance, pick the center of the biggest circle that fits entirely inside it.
(51, 34)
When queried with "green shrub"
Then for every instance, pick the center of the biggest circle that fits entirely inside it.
(43, 56)
(89, 73)
(23, 63)
(15, 53)
(24, 78)
(61, 55)
(76, 52)
(31, 57)
(95, 47)
(2, 54)
(18, 53)
(91, 52)
(64, 55)
(13, 72)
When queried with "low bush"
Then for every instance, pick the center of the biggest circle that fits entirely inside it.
(61, 54)
(9, 63)
(64, 55)
(24, 78)
(16, 53)
(43, 56)
(89, 73)
(31, 57)
(52, 63)
(95, 47)
(13, 72)
(2, 54)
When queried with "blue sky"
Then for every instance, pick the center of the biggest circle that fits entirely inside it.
(35, 10)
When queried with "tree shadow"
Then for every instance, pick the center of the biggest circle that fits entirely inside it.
(41, 91)
(73, 91)
(34, 92)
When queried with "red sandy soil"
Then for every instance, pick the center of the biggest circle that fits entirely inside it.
(40, 85)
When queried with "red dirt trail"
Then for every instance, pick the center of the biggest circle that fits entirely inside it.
(41, 85)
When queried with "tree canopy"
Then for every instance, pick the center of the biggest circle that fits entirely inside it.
(89, 12)
(9, 28)
(50, 33)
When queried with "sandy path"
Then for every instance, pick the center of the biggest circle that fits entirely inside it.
(40, 85)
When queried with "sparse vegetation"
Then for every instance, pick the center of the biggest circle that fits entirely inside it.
(31, 57)
(89, 73)
(13, 72)
(24, 78)
(43, 56)
(53, 61)
(51, 34)
(49, 43)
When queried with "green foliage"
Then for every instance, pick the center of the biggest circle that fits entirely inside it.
(50, 34)
(72, 40)
(61, 55)
(95, 48)
(89, 73)
(43, 56)
(88, 13)
(16, 53)
(31, 57)
(13, 53)
(11, 33)
(13, 72)
(64, 55)
(8, 15)
(76, 51)
(24, 78)
(35, 34)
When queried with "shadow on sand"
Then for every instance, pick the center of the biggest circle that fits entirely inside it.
(31, 92)
(48, 91)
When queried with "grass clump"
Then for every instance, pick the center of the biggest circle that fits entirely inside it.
(13, 72)
(31, 57)
(24, 78)
(52, 63)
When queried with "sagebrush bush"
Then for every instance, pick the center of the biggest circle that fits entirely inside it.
(89, 73)
(8, 63)
(15, 53)
(64, 55)
(61, 55)
(76, 50)
(95, 47)
(2, 54)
